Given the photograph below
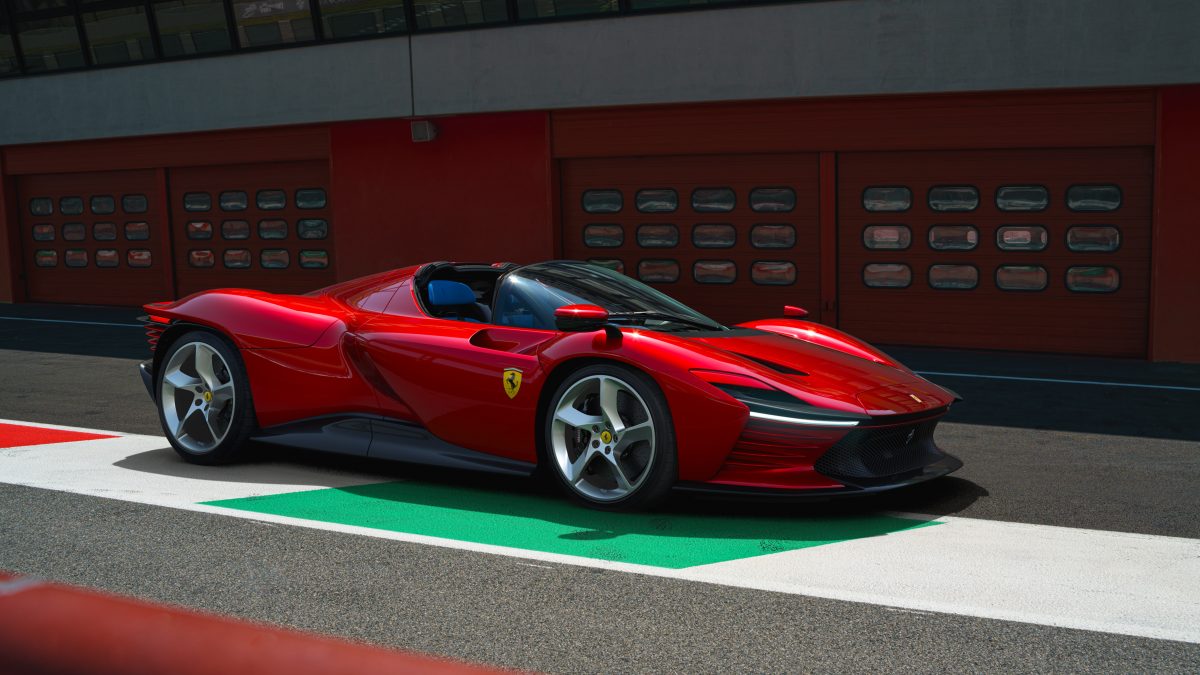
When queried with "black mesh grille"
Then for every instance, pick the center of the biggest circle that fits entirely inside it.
(886, 452)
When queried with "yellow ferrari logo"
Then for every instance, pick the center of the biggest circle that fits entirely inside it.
(915, 398)
(512, 381)
(208, 397)
(605, 436)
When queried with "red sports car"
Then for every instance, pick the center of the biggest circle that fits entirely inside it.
(617, 390)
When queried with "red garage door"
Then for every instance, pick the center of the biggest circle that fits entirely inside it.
(1045, 250)
(736, 237)
(263, 226)
(95, 238)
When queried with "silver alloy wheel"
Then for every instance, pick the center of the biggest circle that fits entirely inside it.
(197, 397)
(602, 437)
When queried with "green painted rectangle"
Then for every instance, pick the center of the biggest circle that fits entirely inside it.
(539, 523)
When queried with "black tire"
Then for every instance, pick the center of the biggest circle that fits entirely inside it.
(661, 469)
(241, 420)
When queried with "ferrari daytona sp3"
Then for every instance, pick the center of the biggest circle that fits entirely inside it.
(614, 389)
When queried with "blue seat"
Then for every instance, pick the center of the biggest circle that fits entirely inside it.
(455, 300)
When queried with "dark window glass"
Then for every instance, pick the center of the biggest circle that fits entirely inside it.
(354, 18)
(46, 258)
(314, 259)
(1098, 238)
(137, 231)
(887, 198)
(541, 9)
(953, 198)
(135, 204)
(200, 229)
(769, 235)
(451, 13)
(310, 198)
(43, 232)
(603, 236)
(197, 201)
(312, 228)
(657, 200)
(1021, 238)
(237, 258)
(74, 232)
(139, 257)
(658, 271)
(772, 200)
(70, 206)
(272, 229)
(1021, 277)
(602, 201)
(260, 24)
(713, 200)
(887, 237)
(637, 5)
(76, 257)
(1094, 198)
(953, 277)
(235, 229)
(104, 205)
(234, 201)
(271, 200)
(108, 257)
(50, 43)
(1022, 198)
(609, 263)
(773, 273)
(104, 232)
(953, 237)
(657, 236)
(714, 235)
(202, 257)
(192, 27)
(887, 275)
(714, 271)
(41, 206)
(274, 258)
(1093, 279)
(8, 52)
(117, 34)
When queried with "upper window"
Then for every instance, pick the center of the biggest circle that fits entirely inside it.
(772, 199)
(602, 201)
(117, 32)
(50, 41)
(714, 235)
(603, 235)
(191, 27)
(8, 52)
(1093, 197)
(356, 18)
(953, 198)
(953, 237)
(713, 200)
(104, 205)
(310, 198)
(261, 24)
(770, 235)
(657, 200)
(70, 206)
(135, 204)
(271, 200)
(541, 9)
(887, 198)
(455, 13)
(887, 237)
(1021, 238)
(657, 236)
(197, 201)
(1022, 198)
(1098, 238)
(234, 200)
(41, 206)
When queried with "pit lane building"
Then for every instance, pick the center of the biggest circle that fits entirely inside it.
(999, 174)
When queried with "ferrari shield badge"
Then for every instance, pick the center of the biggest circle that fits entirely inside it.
(512, 381)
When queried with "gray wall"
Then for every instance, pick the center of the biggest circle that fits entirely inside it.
(832, 48)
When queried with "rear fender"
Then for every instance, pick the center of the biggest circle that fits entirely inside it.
(252, 319)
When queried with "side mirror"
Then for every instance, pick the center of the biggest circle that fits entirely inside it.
(794, 311)
(580, 318)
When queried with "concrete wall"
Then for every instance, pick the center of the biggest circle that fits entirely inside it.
(837, 47)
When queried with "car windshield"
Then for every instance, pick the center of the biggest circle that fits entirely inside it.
(528, 296)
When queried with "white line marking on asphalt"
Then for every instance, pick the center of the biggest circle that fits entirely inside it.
(82, 323)
(1098, 383)
(1113, 582)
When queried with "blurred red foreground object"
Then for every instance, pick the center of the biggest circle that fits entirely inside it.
(51, 628)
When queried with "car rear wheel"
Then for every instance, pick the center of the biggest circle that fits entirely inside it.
(609, 438)
(204, 399)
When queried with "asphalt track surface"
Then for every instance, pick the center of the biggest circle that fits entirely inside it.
(1100, 457)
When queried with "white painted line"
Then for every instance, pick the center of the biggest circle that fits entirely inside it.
(1133, 385)
(82, 323)
(1129, 584)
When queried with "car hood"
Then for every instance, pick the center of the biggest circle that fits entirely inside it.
(830, 378)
